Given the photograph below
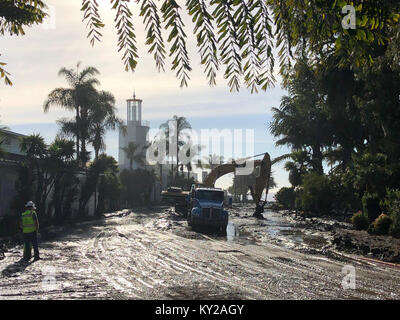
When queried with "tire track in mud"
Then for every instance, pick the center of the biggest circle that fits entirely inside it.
(142, 268)
(178, 254)
(120, 286)
(120, 278)
(147, 263)
(368, 285)
(265, 277)
(316, 280)
(273, 285)
(104, 248)
(276, 283)
(162, 257)
(166, 255)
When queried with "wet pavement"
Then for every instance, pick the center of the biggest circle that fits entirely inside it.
(152, 254)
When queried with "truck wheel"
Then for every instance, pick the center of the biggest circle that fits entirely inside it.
(222, 229)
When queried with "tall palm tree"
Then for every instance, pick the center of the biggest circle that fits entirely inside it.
(180, 124)
(164, 127)
(102, 118)
(301, 121)
(77, 97)
(132, 154)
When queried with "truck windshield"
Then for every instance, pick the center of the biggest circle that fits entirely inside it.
(210, 195)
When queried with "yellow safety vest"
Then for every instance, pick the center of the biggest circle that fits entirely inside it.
(28, 222)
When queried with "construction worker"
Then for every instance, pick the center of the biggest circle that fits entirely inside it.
(30, 227)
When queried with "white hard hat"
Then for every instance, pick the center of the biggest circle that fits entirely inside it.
(30, 204)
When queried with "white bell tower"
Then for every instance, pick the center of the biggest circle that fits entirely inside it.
(136, 132)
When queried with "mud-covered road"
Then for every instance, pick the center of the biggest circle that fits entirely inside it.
(154, 255)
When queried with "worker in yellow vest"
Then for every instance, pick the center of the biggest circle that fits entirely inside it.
(30, 227)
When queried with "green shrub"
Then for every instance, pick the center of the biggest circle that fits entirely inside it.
(372, 173)
(371, 207)
(360, 221)
(391, 204)
(344, 194)
(382, 224)
(316, 194)
(286, 198)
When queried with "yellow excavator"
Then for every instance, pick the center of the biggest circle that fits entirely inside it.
(261, 183)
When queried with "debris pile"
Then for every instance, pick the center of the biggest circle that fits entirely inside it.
(360, 242)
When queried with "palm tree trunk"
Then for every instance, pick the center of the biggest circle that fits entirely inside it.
(77, 136)
(317, 159)
(83, 149)
(177, 150)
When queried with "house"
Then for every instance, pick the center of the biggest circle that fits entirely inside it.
(9, 164)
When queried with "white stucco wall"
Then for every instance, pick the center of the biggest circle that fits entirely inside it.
(137, 134)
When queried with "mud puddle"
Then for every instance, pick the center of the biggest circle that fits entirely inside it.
(243, 229)
(276, 228)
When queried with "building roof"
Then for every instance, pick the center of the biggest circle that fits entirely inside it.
(11, 158)
(11, 133)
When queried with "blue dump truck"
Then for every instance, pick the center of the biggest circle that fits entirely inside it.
(202, 206)
(206, 208)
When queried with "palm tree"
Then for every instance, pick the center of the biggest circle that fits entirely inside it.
(191, 153)
(213, 161)
(301, 121)
(102, 118)
(158, 141)
(77, 97)
(132, 154)
(165, 131)
(180, 124)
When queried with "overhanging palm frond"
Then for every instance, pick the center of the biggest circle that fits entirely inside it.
(69, 75)
(68, 127)
(282, 158)
(60, 96)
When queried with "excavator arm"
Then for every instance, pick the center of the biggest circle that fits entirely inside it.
(262, 180)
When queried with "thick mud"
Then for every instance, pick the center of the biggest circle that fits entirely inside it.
(152, 254)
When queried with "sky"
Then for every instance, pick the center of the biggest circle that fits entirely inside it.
(35, 59)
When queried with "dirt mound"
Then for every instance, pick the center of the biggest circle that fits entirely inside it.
(360, 242)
